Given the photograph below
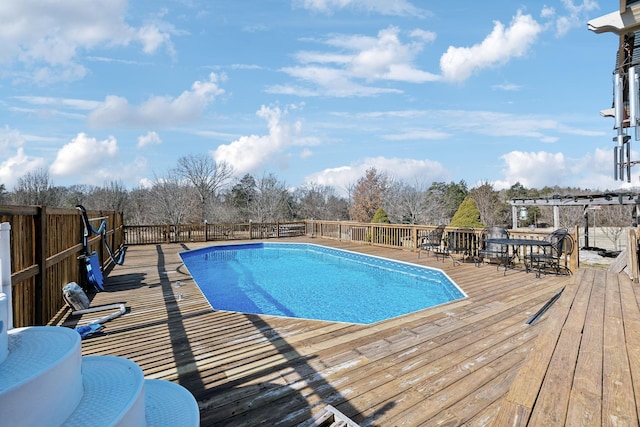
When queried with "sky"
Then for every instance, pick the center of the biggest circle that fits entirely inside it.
(315, 91)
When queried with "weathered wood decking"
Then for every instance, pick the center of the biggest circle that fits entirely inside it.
(473, 362)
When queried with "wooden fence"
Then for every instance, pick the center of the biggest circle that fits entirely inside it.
(45, 246)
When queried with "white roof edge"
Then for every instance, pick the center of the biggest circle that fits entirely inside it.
(616, 22)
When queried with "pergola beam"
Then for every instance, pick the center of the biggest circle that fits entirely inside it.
(584, 201)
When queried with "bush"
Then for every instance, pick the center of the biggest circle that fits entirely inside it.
(380, 217)
(467, 215)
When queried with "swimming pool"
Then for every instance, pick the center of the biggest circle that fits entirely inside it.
(314, 282)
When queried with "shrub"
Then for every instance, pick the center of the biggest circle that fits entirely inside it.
(380, 217)
(467, 215)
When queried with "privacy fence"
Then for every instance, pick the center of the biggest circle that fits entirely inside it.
(46, 245)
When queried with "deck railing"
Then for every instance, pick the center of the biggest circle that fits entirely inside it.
(178, 233)
(45, 245)
(465, 242)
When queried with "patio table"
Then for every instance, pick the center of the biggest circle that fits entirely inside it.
(516, 244)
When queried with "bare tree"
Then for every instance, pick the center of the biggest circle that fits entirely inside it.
(614, 220)
(172, 201)
(139, 212)
(405, 203)
(35, 188)
(368, 195)
(205, 174)
(271, 201)
(112, 196)
(316, 201)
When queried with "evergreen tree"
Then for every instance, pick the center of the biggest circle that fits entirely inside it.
(467, 215)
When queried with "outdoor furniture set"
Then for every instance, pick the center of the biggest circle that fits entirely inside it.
(494, 245)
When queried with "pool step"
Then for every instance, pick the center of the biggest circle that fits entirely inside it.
(41, 378)
(44, 380)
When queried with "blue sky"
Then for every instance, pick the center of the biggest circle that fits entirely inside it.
(310, 90)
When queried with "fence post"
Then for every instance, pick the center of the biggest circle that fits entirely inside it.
(5, 269)
(40, 259)
(574, 258)
(632, 254)
(414, 238)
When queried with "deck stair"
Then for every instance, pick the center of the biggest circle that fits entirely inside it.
(44, 380)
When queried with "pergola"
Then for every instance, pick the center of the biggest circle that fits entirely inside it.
(585, 201)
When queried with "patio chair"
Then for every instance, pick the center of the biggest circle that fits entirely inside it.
(460, 242)
(551, 258)
(432, 241)
(495, 251)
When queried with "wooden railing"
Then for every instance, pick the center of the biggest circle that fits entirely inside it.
(45, 245)
(409, 237)
(177, 233)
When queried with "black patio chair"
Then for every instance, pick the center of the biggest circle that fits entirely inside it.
(460, 243)
(495, 252)
(551, 257)
(432, 241)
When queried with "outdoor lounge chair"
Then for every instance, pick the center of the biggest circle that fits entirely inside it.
(432, 241)
(561, 244)
(496, 252)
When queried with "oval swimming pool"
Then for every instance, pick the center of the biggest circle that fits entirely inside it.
(314, 282)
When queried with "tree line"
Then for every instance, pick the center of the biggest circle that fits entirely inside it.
(200, 189)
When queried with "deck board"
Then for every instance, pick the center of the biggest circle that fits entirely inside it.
(472, 361)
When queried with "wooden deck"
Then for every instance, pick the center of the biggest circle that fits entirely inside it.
(473, 361)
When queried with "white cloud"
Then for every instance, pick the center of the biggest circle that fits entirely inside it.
(158, 110)
(417, 135)
(534, 169)
(49, 37)
(459, 63)
(576, 16)
(149, 139)
(248, 153)
(408, 170)
(383, 7)
(539, 169)
(360, 61)
(427, 36)
(71, 103)
(83, 155)
(16, 165)
(508, 87)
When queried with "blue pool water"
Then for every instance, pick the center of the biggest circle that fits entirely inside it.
(314, 282)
